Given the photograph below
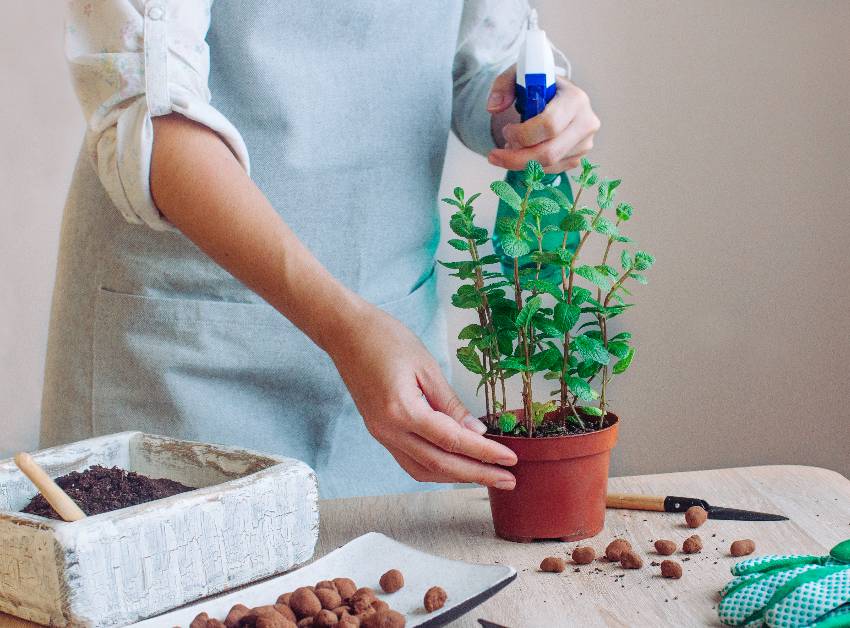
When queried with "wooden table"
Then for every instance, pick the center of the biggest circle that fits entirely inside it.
(456, 524)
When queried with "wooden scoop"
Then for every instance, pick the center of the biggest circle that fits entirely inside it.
(55, 496)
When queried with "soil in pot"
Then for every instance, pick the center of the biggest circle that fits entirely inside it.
(99, 489)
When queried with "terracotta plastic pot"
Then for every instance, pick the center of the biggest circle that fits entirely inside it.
(561, 484)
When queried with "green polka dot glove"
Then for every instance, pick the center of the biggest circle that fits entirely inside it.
(790, 591)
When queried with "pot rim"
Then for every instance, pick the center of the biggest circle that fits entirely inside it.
(551, 448)
(613, 425)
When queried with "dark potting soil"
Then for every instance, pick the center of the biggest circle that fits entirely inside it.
(555, 427)
(99, 489)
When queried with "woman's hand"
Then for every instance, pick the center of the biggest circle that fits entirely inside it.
(410, 408)
(557, 138)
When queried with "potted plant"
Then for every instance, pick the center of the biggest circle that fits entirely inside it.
(532, 321)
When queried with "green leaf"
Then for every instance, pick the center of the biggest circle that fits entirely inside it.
(594, 276)
(605, 269)
(580, 295)
(507, 422)
(566, 316)
(623, 335)
(545, 360)
(574, 221)
(581, 389)
(458, 192)
(590, 410)
(625, 362)
(505, 192)
(460, 245)
(623, 239)
(514, 246)
(514, 364)
(467, 297)
(592, 349)
(605, 193)
(471, 332)
(461, 225)
(546, 325)
(618, 348)
(624, 211)
(587, 370)
(542, 206)
(605, 227)
(533, 175)
(643, 260)
(528, 310)
(564, 201)
(451, 201)
(638, 278)
(542, 285)
(472, 198)
(625, 260)
(468, 357)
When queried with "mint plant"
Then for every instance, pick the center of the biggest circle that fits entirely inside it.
(527, 324)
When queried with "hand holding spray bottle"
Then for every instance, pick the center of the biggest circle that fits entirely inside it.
(535, 87)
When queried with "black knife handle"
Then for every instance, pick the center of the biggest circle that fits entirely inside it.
(681, 504)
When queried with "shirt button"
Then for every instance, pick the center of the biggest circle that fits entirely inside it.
(156, 12)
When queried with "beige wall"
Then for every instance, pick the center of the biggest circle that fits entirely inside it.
(728, 122)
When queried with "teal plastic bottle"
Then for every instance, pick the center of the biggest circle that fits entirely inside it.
(551, 240)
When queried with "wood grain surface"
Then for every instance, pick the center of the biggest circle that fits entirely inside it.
(456, 524)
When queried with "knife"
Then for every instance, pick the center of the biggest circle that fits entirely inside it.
(489, 624)
(681, 504)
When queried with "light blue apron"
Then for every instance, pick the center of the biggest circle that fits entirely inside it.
(345, 108)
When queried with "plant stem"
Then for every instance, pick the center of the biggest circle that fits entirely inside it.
(523, 337)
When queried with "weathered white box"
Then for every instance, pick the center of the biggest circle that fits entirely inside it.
(252, 516)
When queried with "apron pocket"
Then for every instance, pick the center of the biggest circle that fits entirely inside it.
(223, 372)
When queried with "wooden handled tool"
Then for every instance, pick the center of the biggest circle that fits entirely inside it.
(55, 496)
(635, 502)
(671, 503)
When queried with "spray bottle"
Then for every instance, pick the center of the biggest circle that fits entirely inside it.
(535, 86)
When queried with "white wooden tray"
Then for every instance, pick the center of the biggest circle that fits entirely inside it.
(364, 560)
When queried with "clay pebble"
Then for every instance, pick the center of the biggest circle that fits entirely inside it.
(742, 547)
(665, 547)
(436, 597)
(234, 617)
(583, 555)
(392, 581)
(616, 548)
(553, 564)
(695, 516)
(386, 618)
(671, 569)
(304, 603)
(692, 544)
(329, 598)
(362, 599)
(345, 587)
(630, 560)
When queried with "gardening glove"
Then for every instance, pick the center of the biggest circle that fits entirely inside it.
(789, 591)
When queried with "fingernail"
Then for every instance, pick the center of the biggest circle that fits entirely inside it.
(495, 99)
(474, 424)
(505, 485)
(507, 461)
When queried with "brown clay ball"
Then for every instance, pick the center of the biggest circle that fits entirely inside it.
(380, 605)
(553, 564)
(284, 610)
(348, 621)
(743, 547)
(325, 619)
(215, 623)
(436, 597)
(695, 516)
(630, 560)
(345, 587)
(304, 603)
(200, 621)
(341, 609)
(362, 599)
(384, 619)
(583, 555)
(616, 548)
(275, 620)
(392, 581)
(305, 622)
(671, 569)
(329, 598)
(234, 617)
(284, 598)
(325, 584)
(692, 544)
(665, 547)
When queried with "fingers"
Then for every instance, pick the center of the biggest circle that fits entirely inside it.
(442, 397)
(576, 140)
(442, 431)
(442, 466)
(567, 103)
(502, 93)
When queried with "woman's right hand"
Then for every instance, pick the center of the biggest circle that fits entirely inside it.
(409, 407)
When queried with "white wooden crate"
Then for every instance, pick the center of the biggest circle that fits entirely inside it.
(252, 516)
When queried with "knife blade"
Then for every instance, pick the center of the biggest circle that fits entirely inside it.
(489, 624)
(672, 503)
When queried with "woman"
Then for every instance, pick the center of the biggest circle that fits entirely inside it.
(272, 311)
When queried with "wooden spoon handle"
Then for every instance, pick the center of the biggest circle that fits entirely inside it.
(635, 502)
(55, 496)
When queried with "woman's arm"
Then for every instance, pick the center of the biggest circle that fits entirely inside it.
(200, 187)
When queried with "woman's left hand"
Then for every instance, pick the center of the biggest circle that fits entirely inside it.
(557, 138)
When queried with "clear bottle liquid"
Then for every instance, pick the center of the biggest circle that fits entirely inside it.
(550, 240)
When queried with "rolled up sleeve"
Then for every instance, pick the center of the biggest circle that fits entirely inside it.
(488, 44)
(132, 60)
